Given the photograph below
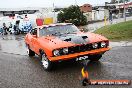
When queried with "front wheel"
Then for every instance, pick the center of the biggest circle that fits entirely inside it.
(95, 57)
(45, 62)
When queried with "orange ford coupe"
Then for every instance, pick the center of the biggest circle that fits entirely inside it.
(64, 41)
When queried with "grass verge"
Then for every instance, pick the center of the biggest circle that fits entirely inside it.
(117, 32)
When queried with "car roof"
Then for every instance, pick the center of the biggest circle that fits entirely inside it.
(52, 25)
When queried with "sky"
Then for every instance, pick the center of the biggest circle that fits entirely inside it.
(46, 3)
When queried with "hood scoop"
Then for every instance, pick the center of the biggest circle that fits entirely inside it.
(67, 40)
(84, 37)
(75, 39)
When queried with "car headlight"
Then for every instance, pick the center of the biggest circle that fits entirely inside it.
(56, 52)
(65, 50)
(95, 45)
(103, 44)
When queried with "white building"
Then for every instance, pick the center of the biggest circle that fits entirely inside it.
(100, 13)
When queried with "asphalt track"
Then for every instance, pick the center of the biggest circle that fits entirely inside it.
(17, 70)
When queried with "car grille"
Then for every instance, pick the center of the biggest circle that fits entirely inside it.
(82, 48)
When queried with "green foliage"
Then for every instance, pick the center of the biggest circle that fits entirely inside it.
(73, 15)
(117, 32)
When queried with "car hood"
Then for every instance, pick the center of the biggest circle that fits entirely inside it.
(68, 40)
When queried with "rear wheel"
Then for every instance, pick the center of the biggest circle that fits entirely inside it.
(47, 65)
(30, 52)
(95, 57)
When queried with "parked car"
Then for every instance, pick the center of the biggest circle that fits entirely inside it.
(64, 41)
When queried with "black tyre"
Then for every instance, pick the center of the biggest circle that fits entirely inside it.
(95, 57)
(30, 52)
(47, 65)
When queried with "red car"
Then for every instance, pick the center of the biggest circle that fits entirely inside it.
(64, 41)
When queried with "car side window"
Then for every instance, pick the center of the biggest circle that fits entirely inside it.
(43, 32)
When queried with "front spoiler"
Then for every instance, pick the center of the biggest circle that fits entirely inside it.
(71, 56)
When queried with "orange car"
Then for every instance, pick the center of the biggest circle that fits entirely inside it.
(64, 41)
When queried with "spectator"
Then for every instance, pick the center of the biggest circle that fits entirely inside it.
(1, 30)
(10, 26)
(16, 27)
(110, 17)
(5, 29)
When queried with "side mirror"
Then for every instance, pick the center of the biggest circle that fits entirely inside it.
(34, 32)
(82, 29)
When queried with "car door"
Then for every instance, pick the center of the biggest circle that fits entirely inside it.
(34, 42)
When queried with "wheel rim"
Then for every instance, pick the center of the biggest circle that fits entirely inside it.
(44, 61)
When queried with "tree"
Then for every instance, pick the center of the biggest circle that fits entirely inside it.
(73, 15)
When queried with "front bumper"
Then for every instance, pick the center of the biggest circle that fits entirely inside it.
(71, 56)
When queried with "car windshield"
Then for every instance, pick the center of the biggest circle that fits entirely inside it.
(58, 30)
